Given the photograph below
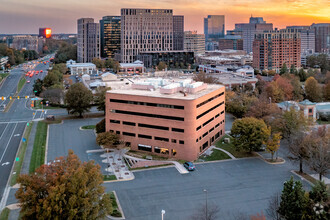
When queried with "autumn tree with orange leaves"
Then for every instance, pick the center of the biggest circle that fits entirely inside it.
(65, 189)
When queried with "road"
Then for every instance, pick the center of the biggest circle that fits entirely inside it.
(13, 122)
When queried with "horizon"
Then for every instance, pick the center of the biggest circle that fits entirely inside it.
(17, 17)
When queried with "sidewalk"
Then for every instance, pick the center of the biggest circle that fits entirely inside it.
(29, 149)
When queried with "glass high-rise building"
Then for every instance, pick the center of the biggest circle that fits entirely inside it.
(110, 30)
(178, 32)
(214, 27)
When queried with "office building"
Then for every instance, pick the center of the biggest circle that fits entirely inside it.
(214, 27)
(194, 42)
(88, 40)
(45, 32)
(145, 30)
(274, 48)
(173, 59)
(322, 37)
(231, 42)
(174, 118)
(26, 42)
(248, 30)
(110, 30)
(178, 32)
(307, 35)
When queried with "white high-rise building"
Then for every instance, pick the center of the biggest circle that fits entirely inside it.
(88, 40)
(194, 42)
(144, 30)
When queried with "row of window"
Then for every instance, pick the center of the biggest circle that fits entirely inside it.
(148, 137)
(148, 115)
(212, 129)
(147, 104)
(209, 100)
(147, 126)
(212, 139)
(159, 150)
(211, 109)
(210, 120)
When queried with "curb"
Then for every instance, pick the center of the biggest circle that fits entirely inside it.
(226, 160)
(119, 180)
(301, 177)
(276, 163)
(46, 150)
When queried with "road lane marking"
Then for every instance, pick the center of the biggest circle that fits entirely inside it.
(4, 130)
(11, 136)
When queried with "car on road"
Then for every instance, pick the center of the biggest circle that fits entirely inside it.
(28, 81)
(189, 166)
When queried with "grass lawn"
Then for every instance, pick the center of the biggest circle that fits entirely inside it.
(231, 148)
(38, 153)
(4, 214)
(88, 127)
(109, 177)
(43, 106)
(21, 155)
(3, 75)
(115, 211)
(216, 155)
(21, 83)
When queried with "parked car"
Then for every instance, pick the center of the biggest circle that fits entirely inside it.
(189, 166)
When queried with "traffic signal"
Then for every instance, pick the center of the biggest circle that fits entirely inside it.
(17, 97)
(10, 98)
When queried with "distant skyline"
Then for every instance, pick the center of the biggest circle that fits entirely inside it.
(21, 16)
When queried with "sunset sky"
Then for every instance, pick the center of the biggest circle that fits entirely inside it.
(26, 16)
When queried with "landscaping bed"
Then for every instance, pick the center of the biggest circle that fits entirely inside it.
(109, 177)
(38, 153)
(86, 127)
(216, 155)
(231, 148)
(115, 210)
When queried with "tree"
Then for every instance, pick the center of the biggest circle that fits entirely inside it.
(284, 69)
(210, 212)
(161, 66)
(64, 189)
(318, 145)
(273, 144)
(319, 200)
(78, 99)
(54, 96)
(51, 79)
(249, 133)
(38, 87)
(302, 75)
(293, 200)
(273, 205)
(285, 85)
(238, 104)
(100, 127)
(98, 63)
(313, 90)
(66, 52)
(107, 139)
(297, 149)
(326, 92)
(273, 91)
(100, 98)
(291, 121)
(203, 77)
(293, 69)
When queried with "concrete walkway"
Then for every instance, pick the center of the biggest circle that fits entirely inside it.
(29, 149)
(209, 151)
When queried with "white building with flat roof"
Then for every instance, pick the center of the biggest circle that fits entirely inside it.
(82, 68)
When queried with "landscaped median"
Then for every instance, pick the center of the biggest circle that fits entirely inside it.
(4, 214)
(86, 127)
(21, 83)
(21, 154)
(39, 147)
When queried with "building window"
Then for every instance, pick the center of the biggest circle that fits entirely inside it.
(205, 145)
(208, 121)
(310, 110)
(209, 100)
(154, 127)
(181, 142)
(144, 147)
(211, 130)
(173, 152)
(178, 130)
(128, 134)
(206, 133)
(173, 141)
(148, 115)
(117, 132)
(211, 109)
(114, 121)
(129, 123)
(199, 127)
(144, 136)
(217, 125)
(217, 115)
(161, 139)
(147, 104)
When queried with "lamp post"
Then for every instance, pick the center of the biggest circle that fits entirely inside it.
(206, 216)
(163, 213)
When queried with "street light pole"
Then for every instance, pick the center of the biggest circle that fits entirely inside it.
(163, 213)
(206, 216)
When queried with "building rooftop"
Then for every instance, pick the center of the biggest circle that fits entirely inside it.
(184, 89)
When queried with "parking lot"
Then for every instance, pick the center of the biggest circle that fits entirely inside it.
(234, 186)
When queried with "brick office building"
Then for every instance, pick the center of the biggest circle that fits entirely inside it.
(172, 119)
(274, 48)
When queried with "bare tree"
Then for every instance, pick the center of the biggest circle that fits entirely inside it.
(204, 212)
(319, 151)
(298, 149)
(273, 205)
(203, 77)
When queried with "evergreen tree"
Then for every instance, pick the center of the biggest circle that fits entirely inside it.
(284, 69)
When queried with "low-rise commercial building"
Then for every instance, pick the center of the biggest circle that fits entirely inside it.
(132, 68)
(169, 118)
(171, 58)
(81, 68)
